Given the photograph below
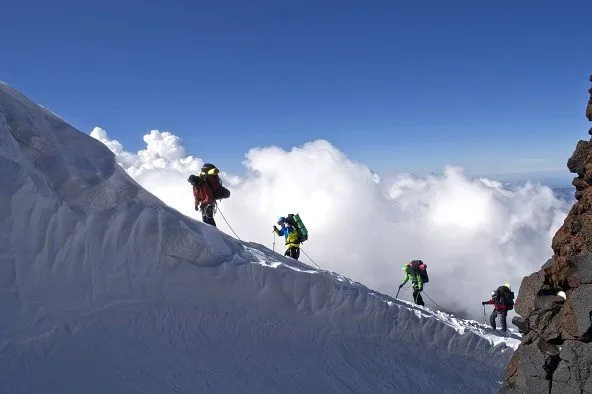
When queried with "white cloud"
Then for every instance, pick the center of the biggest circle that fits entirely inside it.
(163, 154)
(474, 234)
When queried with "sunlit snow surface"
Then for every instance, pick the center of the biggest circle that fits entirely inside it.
(104, 289)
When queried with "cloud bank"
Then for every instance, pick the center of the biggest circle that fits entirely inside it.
(474, 234)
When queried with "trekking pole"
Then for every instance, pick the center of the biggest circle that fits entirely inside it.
(398, 292)
(229, 226)
(484, 315)
(310, 258)
(273, 241)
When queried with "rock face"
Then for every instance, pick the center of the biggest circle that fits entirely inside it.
(589, 107)
(555, 304)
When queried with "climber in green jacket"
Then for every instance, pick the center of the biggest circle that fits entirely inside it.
(412, 273)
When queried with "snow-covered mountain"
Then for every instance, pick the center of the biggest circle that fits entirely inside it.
(105, 289)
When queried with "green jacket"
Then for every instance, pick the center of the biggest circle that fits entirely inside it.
(414, 276)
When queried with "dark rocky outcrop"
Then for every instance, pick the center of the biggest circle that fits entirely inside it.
(555, 304)
(589, 107)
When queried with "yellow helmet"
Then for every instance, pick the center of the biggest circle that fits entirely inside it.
(507, 284)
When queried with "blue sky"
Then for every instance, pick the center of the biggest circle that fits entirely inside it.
(495, 87)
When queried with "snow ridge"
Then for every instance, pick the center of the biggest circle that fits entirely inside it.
(103, 288)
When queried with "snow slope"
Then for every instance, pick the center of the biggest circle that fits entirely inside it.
(104, 289)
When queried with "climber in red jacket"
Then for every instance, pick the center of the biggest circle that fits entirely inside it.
(503, 301)
(207, 188)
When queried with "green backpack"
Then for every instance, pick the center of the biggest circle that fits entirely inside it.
(295, 221)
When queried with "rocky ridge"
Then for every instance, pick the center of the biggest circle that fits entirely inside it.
(555, 304)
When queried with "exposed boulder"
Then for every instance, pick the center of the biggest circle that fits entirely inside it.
(522, 323)
(582, 270)
(529, 288)
(589, 107)
(535, 364)
(580, 303)
(578, 160)
(574, 371)
(546, 321)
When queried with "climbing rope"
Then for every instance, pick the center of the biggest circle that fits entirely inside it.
(425, 294)
(310, 258)
(434, 302)
(228, 224)
(234, 232)
(306, 254)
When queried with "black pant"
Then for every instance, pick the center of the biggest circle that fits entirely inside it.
(502, 315)
(293, 252)
(417, 296)
(207, 214)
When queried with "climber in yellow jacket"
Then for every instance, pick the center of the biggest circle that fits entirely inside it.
(291, 235)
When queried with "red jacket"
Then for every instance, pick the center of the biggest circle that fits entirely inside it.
(203, 193)
(498, 307)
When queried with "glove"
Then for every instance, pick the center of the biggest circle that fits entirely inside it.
(401, 285)
(197, 206)
(192, 179)
(483, 303)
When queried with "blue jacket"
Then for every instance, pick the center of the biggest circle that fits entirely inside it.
(291, 235)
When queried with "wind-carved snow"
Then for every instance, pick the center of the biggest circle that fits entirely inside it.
(103, 288)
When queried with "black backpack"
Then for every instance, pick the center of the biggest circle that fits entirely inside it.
(504, 296)
(423, 273)
(209, 174)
